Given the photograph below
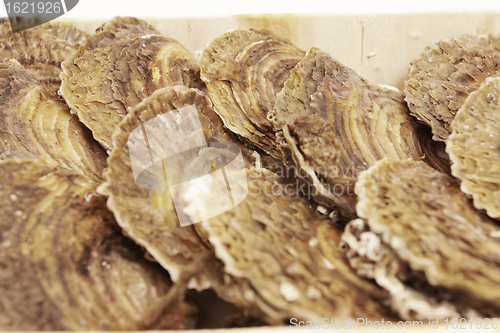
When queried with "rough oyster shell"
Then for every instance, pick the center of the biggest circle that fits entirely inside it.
(33, 124)
(41, 49)
(445, 74)
(334, 124)
(411, 296)
(284, 258)
(244, 70)
(424, 242)
(65, 263)
(125, 61)
(147, 212)
(474, 146)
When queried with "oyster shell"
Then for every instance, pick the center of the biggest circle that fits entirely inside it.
(445, 74)
(141, 201)
(125, 61)
(33, 125)
(411, 296)
(65, 263)
(474, 146)
(424, 242)
(332, 124)
(244, 70)
(41, 49)
(283, 258)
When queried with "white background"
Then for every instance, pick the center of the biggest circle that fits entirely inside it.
(187, 8)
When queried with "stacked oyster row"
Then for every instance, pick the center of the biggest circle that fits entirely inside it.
(65, 263)
(414, 245)
(430, 239)
(418, 235)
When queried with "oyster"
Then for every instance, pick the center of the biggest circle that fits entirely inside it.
(281, 258)
(33, 124)
(176, 121)
(332, 124)
(445, 74)
(421, 239)
(125, 61)
(411, 296)
(65, 263)
(41, 49)
(474, 146)
(244, 70)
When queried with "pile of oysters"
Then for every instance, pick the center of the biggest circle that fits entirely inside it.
(362, 202)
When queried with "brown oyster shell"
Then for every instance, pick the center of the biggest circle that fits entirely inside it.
(148, 215)
(445, 74)
(65, 263)
(41, 49)
(425, 242)
(411, 296)
(33, 125)
(281, 259)
(125, 61)
(244, 70)
(333, 124)
(474, 146)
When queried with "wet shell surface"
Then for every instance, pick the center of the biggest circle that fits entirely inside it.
(125, 61)
(243, 71)
(424, 242)
(41, 49)
(66, 264)
(332, 124)
(445, 74)
(474, 146)
(34, 124)
(284, 259)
